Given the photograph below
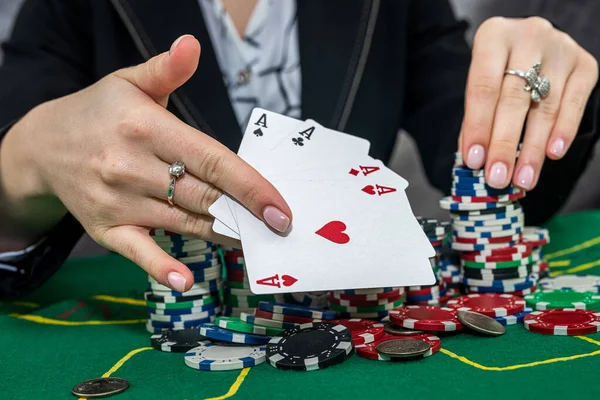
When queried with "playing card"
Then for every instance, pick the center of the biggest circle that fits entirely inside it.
(341, 238)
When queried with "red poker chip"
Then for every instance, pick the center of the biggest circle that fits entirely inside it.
(563, 322)
(425, 291)
(283, 317)
(363, 330)
(489, 199)
(518, 248)
(490, 304)
(369, 350)
(437, 243)
(236, 275)
(426, 318)
(543, 265)
(515, 256)
(502, 239)
(524, 292)
(363, 303)
(234, 253)
(367, 297)
(449, 296)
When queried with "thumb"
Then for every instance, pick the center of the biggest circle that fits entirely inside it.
(162, 74)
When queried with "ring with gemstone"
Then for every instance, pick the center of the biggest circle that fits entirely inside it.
(176, 170)
(538, 86)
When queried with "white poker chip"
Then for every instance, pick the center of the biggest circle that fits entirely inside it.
(224, 356)
(483, 235)
(447, 203)
(578, 283)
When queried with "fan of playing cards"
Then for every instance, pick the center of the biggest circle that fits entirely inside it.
(352, 223)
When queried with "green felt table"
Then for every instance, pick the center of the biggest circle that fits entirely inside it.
(88, 321)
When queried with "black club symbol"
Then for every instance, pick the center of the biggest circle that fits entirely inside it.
(258, 132)
(298, 141)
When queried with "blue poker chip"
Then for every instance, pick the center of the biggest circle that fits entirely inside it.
(490, 222)
(514, 319)
(488, 235)
(426, 297)
(235, 267)
(200, 265)
(467, 172)
(296, 310)
(216, 333)
(470, 191)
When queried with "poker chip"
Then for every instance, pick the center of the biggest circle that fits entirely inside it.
(363, 330)
(177, 341)
(311, 299)
(494, 240)
(492, 305)
(503, 251)
(449, 203)
(282, 317)
(562, 299)
(181, 304)
(310, 347)
(467, 172)
(369, 350)
(514, 319)
(487, 199)
(563, 322)
(480, 247)
(224, 356)
(535, 236)
(500, 274)
(488, 230)
(365, 309)
(204, 257)
(296, 310)
(368, 291)
(251, 319)
(152, 297)
(479, 257)
(426, 318)
(577, 283)
(178, 324)
(237, 325)
(182, 315)
(365, 315)
(214, 332)
(363, 303)
(486, 235)
(488, 223)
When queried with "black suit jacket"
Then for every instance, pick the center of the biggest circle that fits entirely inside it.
(369, 68)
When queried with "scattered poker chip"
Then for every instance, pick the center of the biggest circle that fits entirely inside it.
(403, 348)
(487, 199)
(251, 319)
(563, 322)
(578, 283)
(514, 319)
(449, 203)
(177, 341)
(492, 305)
(426, 318)
(310, 347)
(562, 299)
(363, 330)
(282, 317)
(224, 356)
(296, 310)
(237, 325)
(212, 331)
(369, 350)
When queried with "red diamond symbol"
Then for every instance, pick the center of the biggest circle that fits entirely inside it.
(353, 172)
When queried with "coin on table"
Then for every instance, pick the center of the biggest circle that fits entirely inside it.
(403, 348)
(481, 323)
(394, 329)
(100, 387)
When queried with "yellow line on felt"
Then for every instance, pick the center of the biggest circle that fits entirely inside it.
(235, 387)
(49, 321)
(573, 249)
(587, 339)
(120, 363)
(560, 263)
(518, 366)
(121, 300)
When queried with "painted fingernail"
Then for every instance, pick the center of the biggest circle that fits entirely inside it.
(558, 147)
(498, 174)
(476, 156)
(276, 219)
(525, 177)
(176, 43)
(176, 281)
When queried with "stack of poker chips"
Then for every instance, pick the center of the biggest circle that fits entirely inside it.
(237, 297)
(488, 230)
(365, 303)
(169, 309)
(450, 269)
(437, 232)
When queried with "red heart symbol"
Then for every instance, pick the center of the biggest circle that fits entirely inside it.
(369, 189)
(288, 280)
(334, 231)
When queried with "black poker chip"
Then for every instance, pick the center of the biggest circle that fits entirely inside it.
(512, 207)
(177, 341)
(432, 227)
(498, 274)
(311, 346)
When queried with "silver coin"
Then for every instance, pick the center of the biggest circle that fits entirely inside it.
(100, 387)
(481, 323)
(393, 329)
(402, 348)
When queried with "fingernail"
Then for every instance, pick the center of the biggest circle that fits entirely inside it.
(558, 147)
(176, 281)
(476, 156)
(276, 219)
(498, 174)
(525, 177)
(176, 43)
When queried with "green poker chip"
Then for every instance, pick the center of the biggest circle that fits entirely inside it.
(237, 325)
(181, 304)
(499, 264)
(563, 299)
(365, 309)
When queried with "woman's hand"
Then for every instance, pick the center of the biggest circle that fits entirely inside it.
(105, 153)
(498, 108)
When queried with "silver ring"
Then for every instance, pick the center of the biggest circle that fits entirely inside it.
(176, 170)
(538, 86)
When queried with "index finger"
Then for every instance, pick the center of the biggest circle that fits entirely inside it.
(483, 91)
(212, 162)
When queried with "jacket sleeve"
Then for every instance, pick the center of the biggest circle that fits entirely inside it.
(438, 64)
(48, 56)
